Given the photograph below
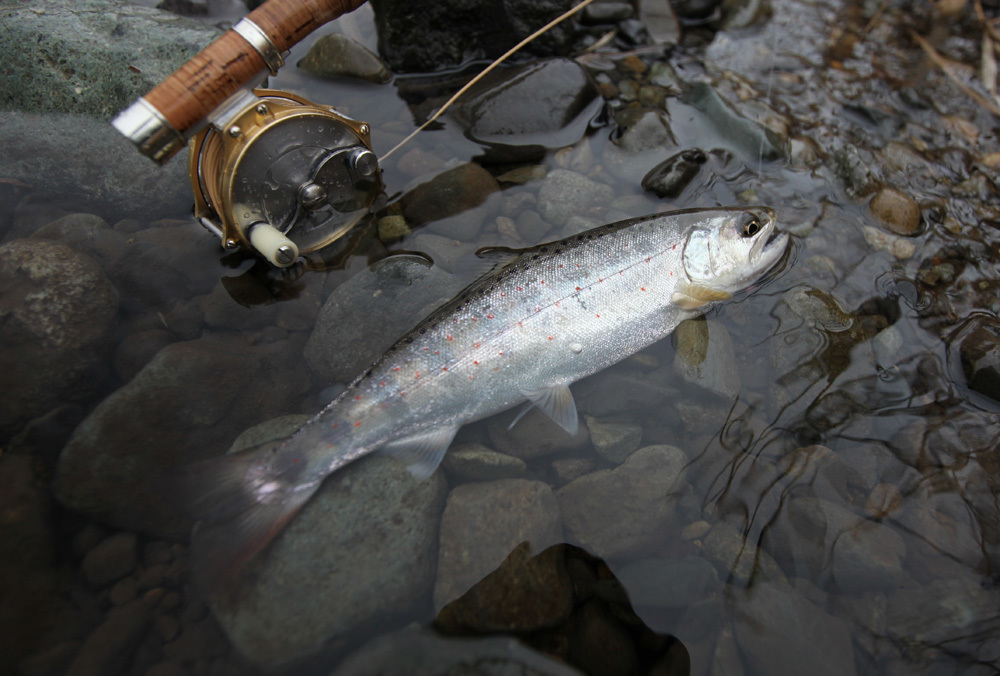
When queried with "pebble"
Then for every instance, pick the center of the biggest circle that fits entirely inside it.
(670, 177)
(564, 194)
(979, 354)
(392, 227)
(111, 560)
(475, 462)
(108, 649)
(568, 469)
(336, 55)
(882, 241)
(736, 559)
(534, 435)
(614, 440)
(456, 202)
(896, 211)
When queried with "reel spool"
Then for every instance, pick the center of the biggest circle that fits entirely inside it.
(282, 175)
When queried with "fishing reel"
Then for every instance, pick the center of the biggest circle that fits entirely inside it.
(271, 171)
(281, 174)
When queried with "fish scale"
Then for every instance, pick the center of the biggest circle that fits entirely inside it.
(537, 321)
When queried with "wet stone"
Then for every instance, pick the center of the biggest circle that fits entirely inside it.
(136, 350)
(565, 194)
(108, 649)
(670, 177)
(669, 583)
(483, 523)
(393, 295)
(716, 371)
(59, 315)
(660, 22)
(392, 227)
(628, 509)
(336, 55)
(882, 241)
(526, 593)
(568, 469)
(475, 462)
(112, 559)
(896, 211)
(751, 140)
(361, 549)
(979, 352)
(736, 559)
(600, 642)
(456, 202)
(493, 113)
(614, 440)
(533, 436)
(944, 611)
(531, 227)
(644, 137)
(617, 391)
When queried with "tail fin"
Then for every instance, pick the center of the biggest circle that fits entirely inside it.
(242, 501)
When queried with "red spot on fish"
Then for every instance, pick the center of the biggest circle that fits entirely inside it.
(518, 288)
(671, 273)
(600, 280)
(474, 319)
(643, 288)
(550, 337)
(543, 281)
(416, 375)
(501, 354)
(496, 368)
(470, 377)
(334, 425)
(396, 369)
(560, 265)
(673, 247)
(598, 316)
(647, 260)
(426, 348)
(357, 424)
(448, 337)
(502, 294)
(295, 461)
(444, 368)
(489, 316)
(382, 383)
(477, 344)
(578, 289)
(475, 362)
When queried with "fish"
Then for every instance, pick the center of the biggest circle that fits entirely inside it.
(535, 321)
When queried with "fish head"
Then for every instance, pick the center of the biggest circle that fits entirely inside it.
(730, 249)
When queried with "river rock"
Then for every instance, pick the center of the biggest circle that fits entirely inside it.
(449, 34)
(614, 440)
(361, 549)
(455, 202)
(392, 295)
(59, 320)
(564, 194)
(817, 539)
(483, 523)
(108, 649)
(752, 141)
(896, 211)
(660, 22)
(706, 357)
(621, 390)
(475, 462)
(182, 407)
(526, 593)
(783, 634)
(113, 558)
(421, 652)
(979, 352)
(672, 175)
(616, 512)
(102, 56)
(669, 583)
(335, 55)
(950, 611)
(493, 112)
(534, 435)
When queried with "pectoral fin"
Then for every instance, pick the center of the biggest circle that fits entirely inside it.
(691, 296)
(557, 403)
(421, 452)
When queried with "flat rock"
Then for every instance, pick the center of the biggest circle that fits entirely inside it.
(111, 559)
(421, 652)
(706, 357)
(564, 194)
(336, 55)
(669, 583)
(475, 462)
(483, 523)
(108, 649)
(613, 439)
(770, 613)
(58, 323)
(362, 549)
(534, 435)
(455, 202)
(182, 407)
(616, 512)
(896, 211)
(393, 295)
(979, 352)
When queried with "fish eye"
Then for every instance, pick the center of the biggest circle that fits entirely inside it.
(750, 226)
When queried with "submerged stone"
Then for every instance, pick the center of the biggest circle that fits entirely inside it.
(475, 462)
(455, 202)
(670, 177)
(753, 141)
(563, 103)
(565, 194)
(980, 356)
(896, 211)
(706, 357)
(337, 55)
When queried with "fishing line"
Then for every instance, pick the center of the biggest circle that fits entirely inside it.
(573, 10)
(767, 99)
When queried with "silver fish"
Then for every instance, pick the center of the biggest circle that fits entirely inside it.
(538, 320)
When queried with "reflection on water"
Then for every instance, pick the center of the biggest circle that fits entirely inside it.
(805, 481)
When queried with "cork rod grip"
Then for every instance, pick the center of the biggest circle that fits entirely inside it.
(213, 74)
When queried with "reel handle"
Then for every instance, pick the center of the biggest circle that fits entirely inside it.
(161, 122)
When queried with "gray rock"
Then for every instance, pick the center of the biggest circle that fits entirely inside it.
(534, 435)
(644, 138)
(770, 613)
(628, 509)
(670, 177)
(421, 652)
(493, 112)
(614, 440)
(455, 202)
(108, 649)
(136, 350)
(660, 22)
(565, 194)
(950, 611)
(452, 34)
(526, 593)
(101, 56)
(335, 55)
(447, 253)
(737, 560)
(979, 352)
(59, 320)
(706, 358)
(483, 523)
(393, 294)
(815, 539)
(896, 211)
(361, 549)
(568, 469)
(199, 389)
(622, 390)
(601, 642)
(113, 558)
(475, 462)
(669, 583)
(752, 141)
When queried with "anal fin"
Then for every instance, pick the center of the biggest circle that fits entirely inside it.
(421, 452)
(557, 403)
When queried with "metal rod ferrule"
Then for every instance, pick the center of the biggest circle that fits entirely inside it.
(259, 40)
(143, 125)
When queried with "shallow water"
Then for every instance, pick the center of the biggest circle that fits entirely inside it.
(836, 503)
